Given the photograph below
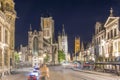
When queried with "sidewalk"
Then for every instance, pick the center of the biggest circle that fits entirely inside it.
(93, 72)
(17, 74)
(9, 77)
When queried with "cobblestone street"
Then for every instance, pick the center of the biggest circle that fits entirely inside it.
(59, 73)
(59, 76)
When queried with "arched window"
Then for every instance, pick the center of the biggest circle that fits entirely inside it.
(35, 46)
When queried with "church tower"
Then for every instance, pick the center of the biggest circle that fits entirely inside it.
(77, 44)
(63, 42)
(77, 47)
(47, 25)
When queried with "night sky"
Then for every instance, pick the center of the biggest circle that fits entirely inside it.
(78, 16)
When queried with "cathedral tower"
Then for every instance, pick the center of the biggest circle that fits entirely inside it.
(47, 25)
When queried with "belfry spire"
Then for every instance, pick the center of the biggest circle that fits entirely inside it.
(63, 30)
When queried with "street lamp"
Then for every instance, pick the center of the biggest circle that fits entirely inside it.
(44, 55)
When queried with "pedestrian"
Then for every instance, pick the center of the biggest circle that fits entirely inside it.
(44, 72)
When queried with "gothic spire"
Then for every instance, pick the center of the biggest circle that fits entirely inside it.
(63, 30)
(111, 12)
(30, 27)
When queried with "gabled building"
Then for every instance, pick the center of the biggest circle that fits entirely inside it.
(112, 46)
(107, 39)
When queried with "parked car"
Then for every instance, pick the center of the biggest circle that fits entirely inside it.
(76, 64)
(86, 65)
(66, 64)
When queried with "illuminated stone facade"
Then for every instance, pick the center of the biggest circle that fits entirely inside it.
(112, 26)
(107, 39)
(40, 43)
(7, 34)
(77, 47)
(35, 43)
(23, 53)
(99, 39)
(47, 25)
(77, 44)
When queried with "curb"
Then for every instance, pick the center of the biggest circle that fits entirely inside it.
(93, 72)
